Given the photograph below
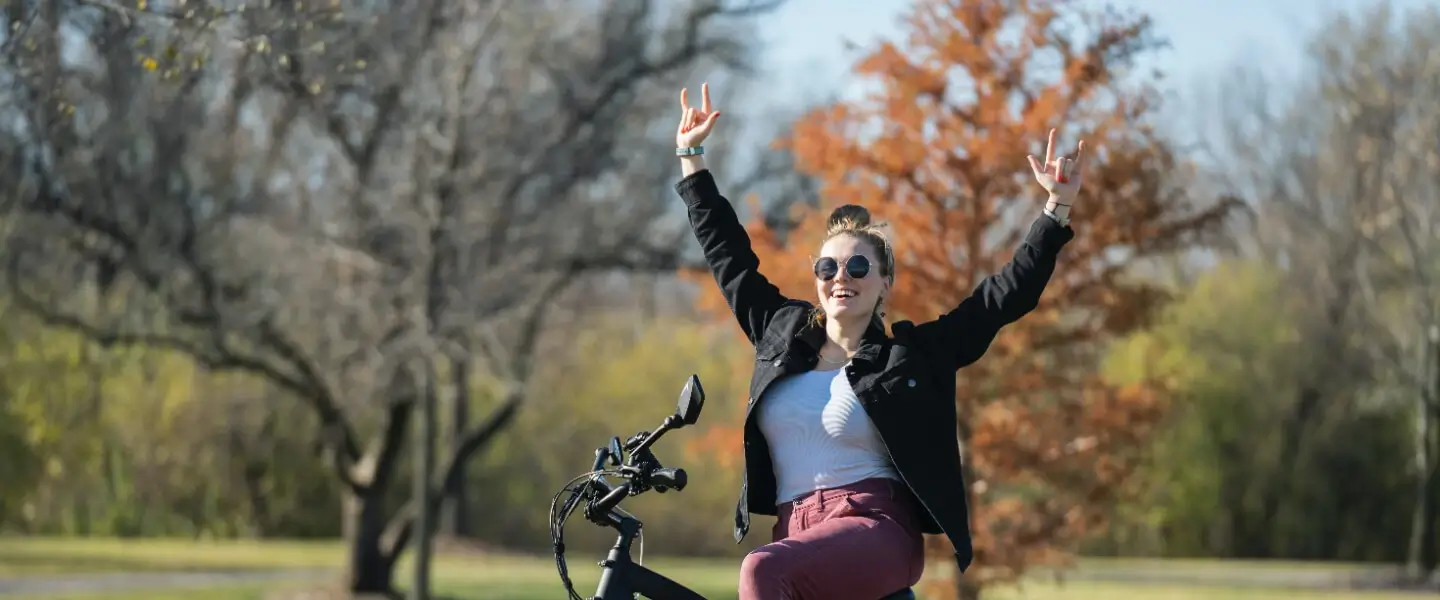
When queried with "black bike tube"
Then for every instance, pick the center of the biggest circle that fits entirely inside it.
(655, 586)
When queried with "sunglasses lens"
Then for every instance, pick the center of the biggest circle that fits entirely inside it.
(826, 268)
(857, 267)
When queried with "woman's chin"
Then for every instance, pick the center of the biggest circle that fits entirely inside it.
(845, 314)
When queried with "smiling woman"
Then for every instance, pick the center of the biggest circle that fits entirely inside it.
(849, 437)
(853, 248)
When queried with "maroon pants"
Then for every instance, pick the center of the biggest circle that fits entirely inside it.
(858, 542)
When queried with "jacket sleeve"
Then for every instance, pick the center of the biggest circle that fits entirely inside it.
(728, 253)
(961, 336)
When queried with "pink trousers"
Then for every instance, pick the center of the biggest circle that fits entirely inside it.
(858, 542)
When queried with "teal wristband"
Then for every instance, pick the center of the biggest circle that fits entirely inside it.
(695, 151)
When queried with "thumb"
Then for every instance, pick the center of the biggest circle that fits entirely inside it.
(709, 122)
(1035, 164)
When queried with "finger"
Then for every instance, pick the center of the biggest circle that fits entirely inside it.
(1035, 165)
(708, 123)
(1061, 169)
(705, 97)
(1050, 148)
(684, 99)
(1080, 157)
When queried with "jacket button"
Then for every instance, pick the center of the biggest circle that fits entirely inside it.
(910, 383)
(779, 363)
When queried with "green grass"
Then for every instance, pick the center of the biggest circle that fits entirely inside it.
(549, 590)
(22, 557)
(1099, 591)
(526, 578)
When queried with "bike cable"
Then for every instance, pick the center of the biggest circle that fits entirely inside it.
(560, 516)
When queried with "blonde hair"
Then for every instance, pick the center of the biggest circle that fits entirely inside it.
(854, 220)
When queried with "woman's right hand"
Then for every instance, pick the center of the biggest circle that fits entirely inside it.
(695, 125)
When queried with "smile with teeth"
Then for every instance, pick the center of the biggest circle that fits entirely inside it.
(842, 293)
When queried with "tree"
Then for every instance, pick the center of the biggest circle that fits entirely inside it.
(317, 195)
(1235, 348)
(1344, 173)
(938, 149)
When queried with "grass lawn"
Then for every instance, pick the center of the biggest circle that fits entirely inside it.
(549, 590)
(524, 578)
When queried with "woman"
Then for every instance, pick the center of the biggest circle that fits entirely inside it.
(850, 433)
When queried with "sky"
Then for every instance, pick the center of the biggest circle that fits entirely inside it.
(804, 50)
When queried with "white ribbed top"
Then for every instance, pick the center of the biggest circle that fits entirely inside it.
(819, 435)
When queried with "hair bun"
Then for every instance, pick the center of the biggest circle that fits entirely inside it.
(847, 218)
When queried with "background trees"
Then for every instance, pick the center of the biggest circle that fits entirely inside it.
(367, 208)
(246, 251)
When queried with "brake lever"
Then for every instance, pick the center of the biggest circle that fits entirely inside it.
(635, 440)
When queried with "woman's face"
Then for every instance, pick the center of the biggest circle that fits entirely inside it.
(845, 297)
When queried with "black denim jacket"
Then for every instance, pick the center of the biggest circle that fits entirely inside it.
(905, 381)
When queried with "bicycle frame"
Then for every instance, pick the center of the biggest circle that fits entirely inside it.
(621, 578)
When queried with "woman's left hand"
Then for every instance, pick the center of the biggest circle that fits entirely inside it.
(1060, 176)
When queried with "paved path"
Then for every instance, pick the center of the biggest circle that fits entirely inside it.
(30, 586)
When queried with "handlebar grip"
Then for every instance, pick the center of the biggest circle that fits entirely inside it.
(612, 499)
(671, 478)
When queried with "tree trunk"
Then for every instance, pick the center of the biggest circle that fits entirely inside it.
(1421, 552)
(424, 473)
(1421, 519)
(369, 570)
(1430, 537)
(453, 521)
(967, 589)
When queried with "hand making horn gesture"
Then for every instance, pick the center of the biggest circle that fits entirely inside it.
(1059, 175)
(695, 125)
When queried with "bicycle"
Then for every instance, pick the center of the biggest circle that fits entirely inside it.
(633, 461)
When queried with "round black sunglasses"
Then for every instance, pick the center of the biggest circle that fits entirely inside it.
(856, 267)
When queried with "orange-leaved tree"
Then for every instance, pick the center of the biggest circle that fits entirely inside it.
(937, 148)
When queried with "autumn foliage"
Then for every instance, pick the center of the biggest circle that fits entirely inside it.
(938, 150)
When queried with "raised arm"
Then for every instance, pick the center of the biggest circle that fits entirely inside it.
(961, 336)
(732, 261)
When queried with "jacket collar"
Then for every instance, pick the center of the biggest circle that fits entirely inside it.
(871, 342)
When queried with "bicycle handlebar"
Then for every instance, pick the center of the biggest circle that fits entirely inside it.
(604, 505)
(642, 473)
(668, 478)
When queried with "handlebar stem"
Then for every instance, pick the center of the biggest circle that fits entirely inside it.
(654, 436)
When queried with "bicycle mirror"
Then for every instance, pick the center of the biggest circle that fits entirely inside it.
(692, 399)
